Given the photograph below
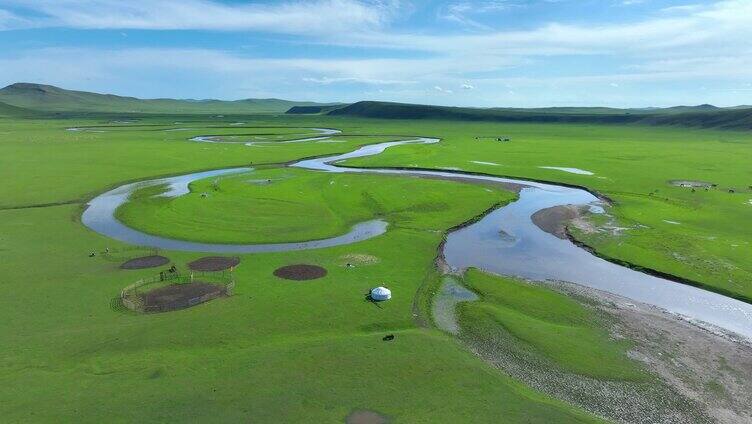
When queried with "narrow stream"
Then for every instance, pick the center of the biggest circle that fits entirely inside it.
(504, 242)
(324, 134)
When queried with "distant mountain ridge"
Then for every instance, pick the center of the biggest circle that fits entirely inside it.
(313, 110)
(48, 98)
(702, 116)
(30, 99)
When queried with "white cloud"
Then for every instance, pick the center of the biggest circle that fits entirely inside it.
(724, 25)
(9, 20)
(297, 17)
(707, 42)
(329, 80)
(463, 13)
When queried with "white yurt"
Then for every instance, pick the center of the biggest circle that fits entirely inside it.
(381, 293)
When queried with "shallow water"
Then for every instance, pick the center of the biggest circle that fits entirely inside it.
(325, 133)
(504, 241)
(480, 162)
(570, 170)
(445, 304)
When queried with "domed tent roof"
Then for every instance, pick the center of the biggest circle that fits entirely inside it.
(381, 293)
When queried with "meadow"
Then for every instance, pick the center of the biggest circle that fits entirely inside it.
(286, 351)
(277, 350)
(696, 235)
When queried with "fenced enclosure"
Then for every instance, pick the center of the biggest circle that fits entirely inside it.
(170, 291)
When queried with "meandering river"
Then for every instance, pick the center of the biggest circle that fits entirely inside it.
(505, 241)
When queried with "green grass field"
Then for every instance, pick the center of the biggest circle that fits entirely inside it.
(284, 205)
(553, 325)
(632, 165)
(285, 351)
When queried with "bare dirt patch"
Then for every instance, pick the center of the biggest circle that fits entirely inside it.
(300, 272)
(554, 220)
(359, 259)
(364, 416)
(691, 184)
(214, 263)
(150, 261)
(180, 296)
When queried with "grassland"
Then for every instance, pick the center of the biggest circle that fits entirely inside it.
(275, 351)
(569, 347)
(550, 323)
(288, 351)
(696, 235)
(286, 205)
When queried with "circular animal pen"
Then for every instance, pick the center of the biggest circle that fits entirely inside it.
(173, 291)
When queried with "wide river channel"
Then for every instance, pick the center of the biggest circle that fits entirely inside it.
(504, 241)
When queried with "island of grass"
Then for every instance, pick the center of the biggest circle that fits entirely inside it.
(289, 205)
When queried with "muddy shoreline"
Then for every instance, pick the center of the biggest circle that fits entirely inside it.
(708, 366)
(554, 220)
(700, 374)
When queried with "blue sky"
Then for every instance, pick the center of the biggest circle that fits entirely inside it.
(522, 53)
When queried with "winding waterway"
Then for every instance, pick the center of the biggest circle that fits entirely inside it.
(505, 241)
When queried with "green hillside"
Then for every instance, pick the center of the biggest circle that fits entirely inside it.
(49, 98)
(8, 111)
(703, 116)
(313, 110)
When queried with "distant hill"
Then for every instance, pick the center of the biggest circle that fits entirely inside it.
(618, 111)
(704, 116)
(49, 98)
(312, 110)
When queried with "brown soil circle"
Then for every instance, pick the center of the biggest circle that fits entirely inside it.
(180, 296)
(300, 272)
(364, 416)
(145, 262)
(214, 263)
